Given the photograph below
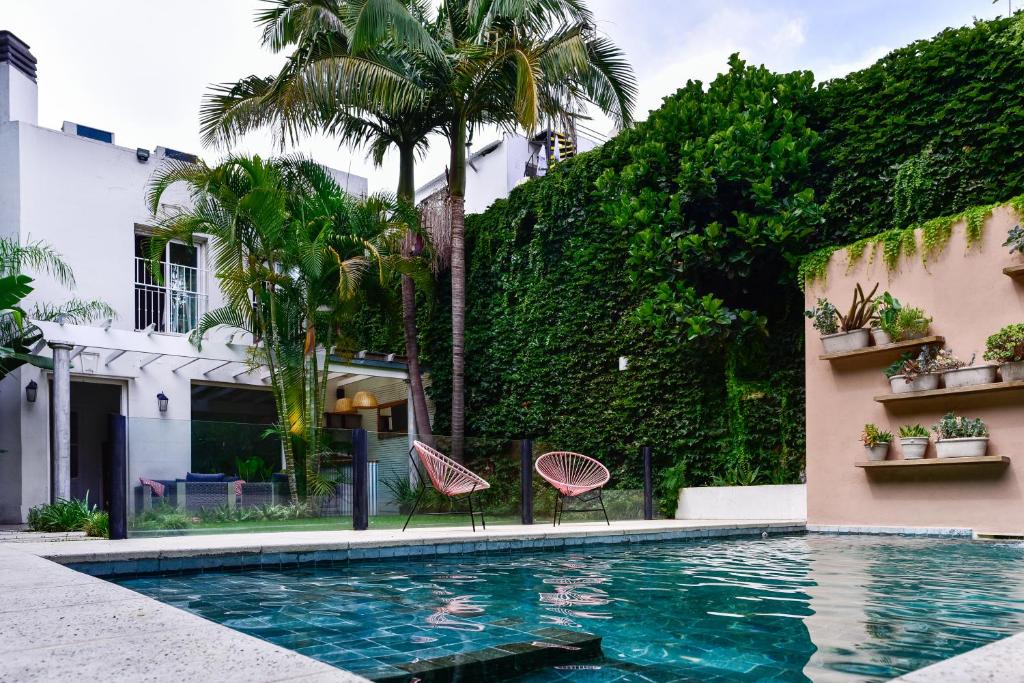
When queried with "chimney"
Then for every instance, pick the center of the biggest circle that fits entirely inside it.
(19, 94)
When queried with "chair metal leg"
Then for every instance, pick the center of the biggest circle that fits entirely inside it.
(423, 489)
(472, 517)
(554, 520)
(600, 499)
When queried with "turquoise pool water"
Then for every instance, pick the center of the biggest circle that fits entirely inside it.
(790, 608)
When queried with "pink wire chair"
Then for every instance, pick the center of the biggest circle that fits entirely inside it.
(573, 475)
(448, 478)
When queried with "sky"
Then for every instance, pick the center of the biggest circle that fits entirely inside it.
(140, 68)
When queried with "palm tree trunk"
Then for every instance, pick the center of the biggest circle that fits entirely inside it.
(407, 193)
(457, 189)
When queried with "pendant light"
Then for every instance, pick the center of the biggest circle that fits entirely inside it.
(343, 404)
(365, 399)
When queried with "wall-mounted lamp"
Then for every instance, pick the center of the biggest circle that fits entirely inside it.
(31, 391)
(162, 401)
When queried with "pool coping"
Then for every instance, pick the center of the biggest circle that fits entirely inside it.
(186, 553)
(59, 624)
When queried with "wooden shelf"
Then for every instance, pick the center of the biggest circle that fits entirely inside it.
(885, 348)
(935, 462)
(1016, 385)
(1016, 272)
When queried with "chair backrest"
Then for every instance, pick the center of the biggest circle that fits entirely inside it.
(572, 473)
(447, 476)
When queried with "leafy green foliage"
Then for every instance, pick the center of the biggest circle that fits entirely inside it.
(825, 317)
(1015, 240)
(953, 426)
(69, 515)
(915, 431)
(1006, 345)
(873, 436)
(951, 104)
(253, 469)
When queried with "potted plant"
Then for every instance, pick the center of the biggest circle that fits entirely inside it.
(885, 319)
(957, 373)
(876, 442)
(1006, 347)
(844, 332)
(913, 441)
(913, 373)
(960, 437)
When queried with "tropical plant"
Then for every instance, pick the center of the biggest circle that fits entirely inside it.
(1006, 345)
(1015, 240)
(97, 524)
(915, 431)
(874, 436)
(861, 311)
(952, 426)
(886, 311)
(18, 335)
(61, 515)
(337, 42)
(291, 251)
(253, 469)
(825, 317)
(162, 517)
(737, 474)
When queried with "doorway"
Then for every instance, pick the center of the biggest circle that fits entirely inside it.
(91, 404)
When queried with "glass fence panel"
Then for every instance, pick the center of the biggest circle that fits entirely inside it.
(200, 477)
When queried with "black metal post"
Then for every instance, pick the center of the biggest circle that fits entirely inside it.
(360, 481)
(646, 453)
(526, 481)
(117, 426)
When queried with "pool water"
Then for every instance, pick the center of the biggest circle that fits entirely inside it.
(788, 608)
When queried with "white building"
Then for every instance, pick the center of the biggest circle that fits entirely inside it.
(78, 191)
(496, 168)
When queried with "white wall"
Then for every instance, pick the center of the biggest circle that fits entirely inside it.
(784, 502)
(19, 95)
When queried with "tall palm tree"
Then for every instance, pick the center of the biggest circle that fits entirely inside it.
(291, 251)
(512, 63)
(326, 38)
(476, 62)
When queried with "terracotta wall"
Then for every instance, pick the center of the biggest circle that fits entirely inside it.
(969, 297)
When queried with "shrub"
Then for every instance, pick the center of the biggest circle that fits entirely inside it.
(161, 517)
(873, 436)
(97, 524)
(825, 317)
(952, 426)
(62, 515)
(913, 432)
(1006, 345)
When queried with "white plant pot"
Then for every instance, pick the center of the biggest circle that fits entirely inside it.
(916, 335)
(971, 447)
(876, 453)
(965, 377)
(920, 383)
(846, 341)
(913, 447)
(1011, 372)
(881, 338)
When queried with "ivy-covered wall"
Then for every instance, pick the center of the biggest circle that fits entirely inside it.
(677, 245)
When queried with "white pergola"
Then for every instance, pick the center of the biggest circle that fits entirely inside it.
(126, 354)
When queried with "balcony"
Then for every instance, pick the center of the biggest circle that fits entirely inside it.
(173, 303)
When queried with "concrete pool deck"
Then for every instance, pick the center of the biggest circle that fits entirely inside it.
(177, 553)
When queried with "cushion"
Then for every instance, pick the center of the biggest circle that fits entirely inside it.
(197, 476)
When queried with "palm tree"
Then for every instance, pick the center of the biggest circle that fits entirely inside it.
(476, 62)
(322, 34)
(511, 63)
(18, 335)
(291, 251)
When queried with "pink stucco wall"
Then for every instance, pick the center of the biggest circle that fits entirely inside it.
(969, 297)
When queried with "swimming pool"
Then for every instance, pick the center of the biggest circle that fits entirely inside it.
(788, 608)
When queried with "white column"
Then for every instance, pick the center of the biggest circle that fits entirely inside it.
(61, 398)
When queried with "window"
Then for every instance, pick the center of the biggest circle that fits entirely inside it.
(393, 419)
(174, 302)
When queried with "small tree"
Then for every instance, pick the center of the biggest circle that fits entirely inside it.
(291, 251)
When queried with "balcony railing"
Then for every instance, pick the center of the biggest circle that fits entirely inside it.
(173, 303)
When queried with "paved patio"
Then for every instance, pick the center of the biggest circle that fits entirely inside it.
(173, 553)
